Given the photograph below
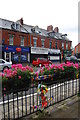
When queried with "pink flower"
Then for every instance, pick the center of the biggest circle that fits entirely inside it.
(4, 95)
(48, 68)
(4, 89)
(2, 74)
(62, 68)
(31, 69)
(19, 77)
(36, 74)
(17, 66)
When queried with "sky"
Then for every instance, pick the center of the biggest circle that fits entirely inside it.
(59, 13)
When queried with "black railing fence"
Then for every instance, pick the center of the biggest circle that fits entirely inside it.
(17, 104)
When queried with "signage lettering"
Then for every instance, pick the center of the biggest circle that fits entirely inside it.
(18, 49)
(37, 50)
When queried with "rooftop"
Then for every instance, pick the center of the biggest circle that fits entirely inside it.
(18, 26)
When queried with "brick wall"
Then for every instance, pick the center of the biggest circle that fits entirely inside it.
(27, 42)
(16, 38)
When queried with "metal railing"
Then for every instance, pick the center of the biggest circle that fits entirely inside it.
(17, 104)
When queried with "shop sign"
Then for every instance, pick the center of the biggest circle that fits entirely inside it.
(18, 49)
(39, 50)
(8, 49)
(53, 51)
(23, 49)
(54, 58)
(15, 49)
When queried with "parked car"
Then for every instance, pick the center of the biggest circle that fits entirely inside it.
(67, 58)
(72, 59)
(4, 64)
(41, 62)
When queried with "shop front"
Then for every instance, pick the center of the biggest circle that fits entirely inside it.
(66, 53)
(54, 55)
(38, 52)
(16, 54)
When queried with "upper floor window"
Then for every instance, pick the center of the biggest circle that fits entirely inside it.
(50, 44)
(62, 45)
(17, 26)
(11, 39)
(56, 45)
(35, 41)
(22, 41)
(27, 40)
(71, 45)
(66, 45)
(42, 42)
(77, 50)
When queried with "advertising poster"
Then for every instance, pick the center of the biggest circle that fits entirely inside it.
(23, 57)
(15, 57)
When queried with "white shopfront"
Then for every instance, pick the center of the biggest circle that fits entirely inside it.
(37, 52)
(54, 55)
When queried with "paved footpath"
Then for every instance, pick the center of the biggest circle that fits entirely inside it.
(69, 108)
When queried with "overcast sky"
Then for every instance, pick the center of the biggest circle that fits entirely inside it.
(59, 13)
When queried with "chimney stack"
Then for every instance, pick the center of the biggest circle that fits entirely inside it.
(50, 28)
(56, 29)
(21, 21)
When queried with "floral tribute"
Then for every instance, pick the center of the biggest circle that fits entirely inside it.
(42, 93)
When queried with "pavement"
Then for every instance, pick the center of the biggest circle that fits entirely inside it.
(69, 108)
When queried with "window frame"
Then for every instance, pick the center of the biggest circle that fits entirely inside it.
(22, 42)
(56, 45)
(11, 39)
(50, 44)
(66, 46)
(42, 42)
(62, 44)
(34, 41)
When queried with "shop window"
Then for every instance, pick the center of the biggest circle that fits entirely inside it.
(22, 41)
(50, 44)
(35, 41)
(11, 40)
(42, 42)
(7, 57)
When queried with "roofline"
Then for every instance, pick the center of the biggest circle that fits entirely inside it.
(6, 20)
(13, 30)
(33, 33)
(77, 44)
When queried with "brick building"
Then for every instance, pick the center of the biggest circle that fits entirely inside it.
(22, 43)
(76, 50)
